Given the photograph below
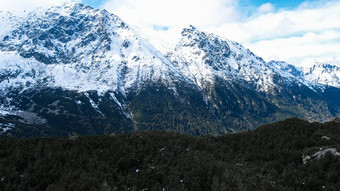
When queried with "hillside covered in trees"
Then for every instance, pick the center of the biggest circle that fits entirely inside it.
(268, 158)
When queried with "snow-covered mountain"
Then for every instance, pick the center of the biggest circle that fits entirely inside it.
(73, 68)
(317, 74)
(79, 48)
(323, 73)
(202, 57)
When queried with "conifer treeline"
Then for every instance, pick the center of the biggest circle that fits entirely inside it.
(268, 158)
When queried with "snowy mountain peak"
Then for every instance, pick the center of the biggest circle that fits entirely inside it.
(77, 47)
(191, 37)
(325, 67)
(323, 73)
(285, 67)
(319, 74)
(204, 56)
(74, 8)
(63, 44)
(53, 35)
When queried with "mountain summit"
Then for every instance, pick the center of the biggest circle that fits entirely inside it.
(79, 48)
(75, 69)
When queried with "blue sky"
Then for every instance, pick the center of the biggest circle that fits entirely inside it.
(288, 4)
(93, 3)
(299, 32)
(248, 7)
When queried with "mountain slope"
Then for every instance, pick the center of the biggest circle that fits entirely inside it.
(74, 69)
(243, 88)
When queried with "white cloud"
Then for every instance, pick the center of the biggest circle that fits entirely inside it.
(266, 8)
(19, 6)
(309, 32)
(299, 49)
(306, 33)
(201, 13)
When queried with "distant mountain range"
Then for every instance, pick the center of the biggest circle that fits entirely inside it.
(318, 74)
(75, 69)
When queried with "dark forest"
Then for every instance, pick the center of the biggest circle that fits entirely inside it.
(267, 158)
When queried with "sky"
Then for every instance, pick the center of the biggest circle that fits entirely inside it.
(298, 32)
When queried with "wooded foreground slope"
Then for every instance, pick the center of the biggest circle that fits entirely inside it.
(268, 158)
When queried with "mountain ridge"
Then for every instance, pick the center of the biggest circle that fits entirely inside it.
(73, 68)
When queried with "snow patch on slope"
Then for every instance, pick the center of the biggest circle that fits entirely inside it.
(94, 105)
(6, 127)
(18, 72)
